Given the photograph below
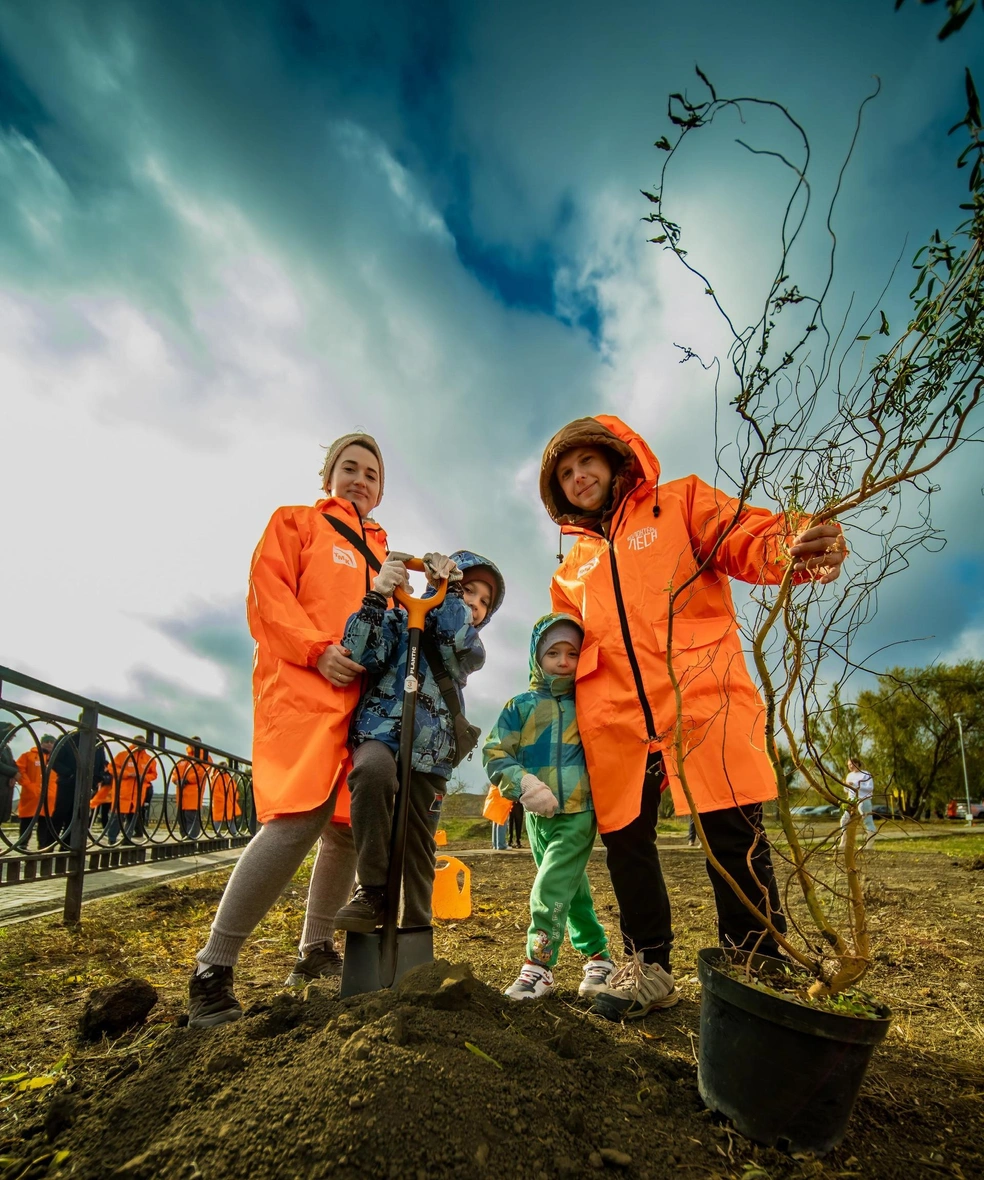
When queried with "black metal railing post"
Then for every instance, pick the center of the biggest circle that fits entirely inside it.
(79, 832)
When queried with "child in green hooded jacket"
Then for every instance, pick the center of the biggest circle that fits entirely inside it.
(534, 754)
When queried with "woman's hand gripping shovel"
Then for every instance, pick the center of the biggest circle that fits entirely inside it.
(378, 960)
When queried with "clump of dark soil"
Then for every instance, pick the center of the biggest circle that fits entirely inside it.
(444, 1077)
(114, 1010)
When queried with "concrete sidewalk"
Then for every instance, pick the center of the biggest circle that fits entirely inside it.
(38, 899)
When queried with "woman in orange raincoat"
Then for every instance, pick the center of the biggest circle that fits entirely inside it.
(635, 540)
(311, 570)
(134, 769)
(30, 770)
(190, 776)
(224, 804)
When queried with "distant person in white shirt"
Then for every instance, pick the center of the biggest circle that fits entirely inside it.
(860, 786)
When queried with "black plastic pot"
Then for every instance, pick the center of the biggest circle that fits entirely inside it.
(785, 1075)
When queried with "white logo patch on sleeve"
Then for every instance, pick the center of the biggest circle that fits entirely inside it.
(642, 538)
(343, 556)
(587, 568)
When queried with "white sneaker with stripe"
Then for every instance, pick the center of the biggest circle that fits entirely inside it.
(533, 983)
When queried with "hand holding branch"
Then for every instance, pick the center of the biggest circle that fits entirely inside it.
(820, 551)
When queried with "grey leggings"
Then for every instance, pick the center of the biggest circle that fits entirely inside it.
(265, 869)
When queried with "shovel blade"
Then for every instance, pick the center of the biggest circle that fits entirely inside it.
(362, 963)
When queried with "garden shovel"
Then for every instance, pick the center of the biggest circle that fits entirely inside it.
(378, 960)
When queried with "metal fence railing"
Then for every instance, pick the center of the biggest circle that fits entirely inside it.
(104, 790)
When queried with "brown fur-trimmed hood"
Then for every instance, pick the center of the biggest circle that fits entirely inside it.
(632, 462)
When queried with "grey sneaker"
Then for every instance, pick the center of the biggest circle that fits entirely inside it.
(597, 973)
(320, 962)
(635, 990)
(365, 911)
(211, 1000)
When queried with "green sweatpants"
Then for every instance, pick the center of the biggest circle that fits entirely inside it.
(561, 895)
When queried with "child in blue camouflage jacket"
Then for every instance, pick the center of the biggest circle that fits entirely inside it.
(534, 754)
(377, 639)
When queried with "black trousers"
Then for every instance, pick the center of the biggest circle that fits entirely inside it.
(515, 830)
(637, 876)
(373, 782)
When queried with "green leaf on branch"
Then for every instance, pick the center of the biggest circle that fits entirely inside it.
(884, 329)
(973, 102)
(956, 22)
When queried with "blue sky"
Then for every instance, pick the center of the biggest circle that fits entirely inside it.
(230, 232)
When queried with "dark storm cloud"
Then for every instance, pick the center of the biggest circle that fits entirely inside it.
(450, 192)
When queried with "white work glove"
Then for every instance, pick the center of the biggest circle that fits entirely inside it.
(537, 797)
(393, 573)
(437, 567)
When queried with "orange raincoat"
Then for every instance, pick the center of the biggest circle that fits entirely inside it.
(617, 584)
(29, 766)
(225, 796)
(136, 769)
(191, 778)
(304, 583)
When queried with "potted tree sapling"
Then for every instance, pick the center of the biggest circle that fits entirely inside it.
(827, 423)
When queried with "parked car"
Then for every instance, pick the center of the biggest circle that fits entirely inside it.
(883, 811)
(976, 811)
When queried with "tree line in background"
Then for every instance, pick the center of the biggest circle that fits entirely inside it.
(906, 733)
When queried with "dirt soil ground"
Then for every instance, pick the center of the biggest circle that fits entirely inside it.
(450, 1079)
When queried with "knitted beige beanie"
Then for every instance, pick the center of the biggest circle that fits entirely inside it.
(335, 449)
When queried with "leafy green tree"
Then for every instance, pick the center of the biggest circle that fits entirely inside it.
(914, 749)
(839, 731)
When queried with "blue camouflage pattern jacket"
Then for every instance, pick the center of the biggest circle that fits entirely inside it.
(537, 734)
(377, 639)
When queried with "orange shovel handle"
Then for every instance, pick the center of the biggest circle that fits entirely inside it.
(417, 608)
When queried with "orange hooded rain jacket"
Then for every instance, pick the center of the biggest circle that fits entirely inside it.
(191, 777)
(29, 766)
(616, 580)
(136, 769)
(225, 795)
(305, 581)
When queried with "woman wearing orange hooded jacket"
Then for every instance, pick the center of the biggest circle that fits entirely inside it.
(308, 574)
(31, 771)
(635, 540)
(134, 769)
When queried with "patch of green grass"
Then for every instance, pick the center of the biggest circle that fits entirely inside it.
(467, 828)
(968, 846)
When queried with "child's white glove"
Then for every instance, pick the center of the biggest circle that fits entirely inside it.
(437, 567)
(537, 797)
(392, 573)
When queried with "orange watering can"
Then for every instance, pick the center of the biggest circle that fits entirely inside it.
(451, 899)
(497, 807)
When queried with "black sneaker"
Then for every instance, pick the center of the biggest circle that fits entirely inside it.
(365, 911)
(320, 962)
(211, 1000)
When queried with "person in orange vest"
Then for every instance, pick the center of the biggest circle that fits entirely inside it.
(635, 537)
(135, 768)
(310, 571)
(224, 805)
(31, 772)
(190, 776)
